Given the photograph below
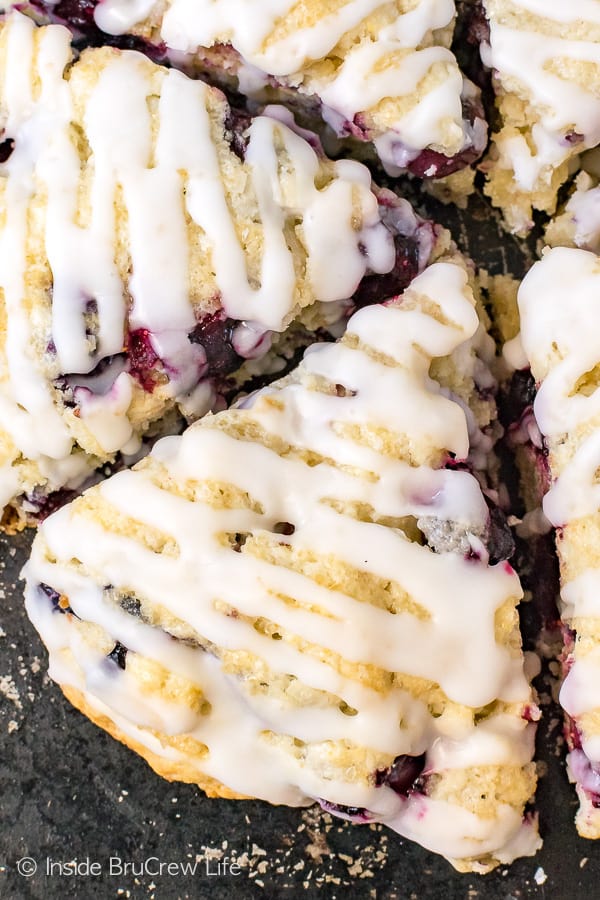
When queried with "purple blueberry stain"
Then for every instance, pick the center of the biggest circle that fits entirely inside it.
(6, 148)
(251, 341)
(497, 544)
(357, 814)
(215, 333)
(498, 538)
(404, 776)
(573, 138)
(42, 504)
(77, 388)
(360, 128)
(572, 734)
(236, 127)
(375, 288)
(143, 359)
(455, 464)
(118, 655)
(531, 713)
(433, 164)
(78, 15)
(343, 127)
(59, 602)
(587, 774)
(473, 555)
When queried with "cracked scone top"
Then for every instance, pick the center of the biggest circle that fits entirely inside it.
(545, 61)
(299, 598)
(562, 342)
(150, 238)
(379, 71)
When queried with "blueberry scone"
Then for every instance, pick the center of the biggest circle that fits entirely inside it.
(152, 239)
(562, 343)
(377, 71)
(306, 597)
(545, 62)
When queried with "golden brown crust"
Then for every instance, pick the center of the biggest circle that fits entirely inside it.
(11, 522)
(170, 769)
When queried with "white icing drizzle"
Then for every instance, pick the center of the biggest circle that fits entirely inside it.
(559, 303)
(522, 57)
(584, 207)
(567, 279)
(453, 645)
(514, 355)
(392, 63)
(580, 222)
(119, 16)
(440, 108)
(163, 179)
(26, 409)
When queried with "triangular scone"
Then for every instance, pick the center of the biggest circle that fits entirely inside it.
(150, 239)
(559, 303)
(374, 70)
(303, 598)
(545, 61)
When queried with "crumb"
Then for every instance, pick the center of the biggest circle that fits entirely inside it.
(9, 689)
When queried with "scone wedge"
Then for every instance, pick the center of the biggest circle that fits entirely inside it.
(379, 72)
(544, 56)
(151, 241)
(307, 598)
(560, 310)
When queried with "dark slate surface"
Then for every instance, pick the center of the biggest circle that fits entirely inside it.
(72, 796)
